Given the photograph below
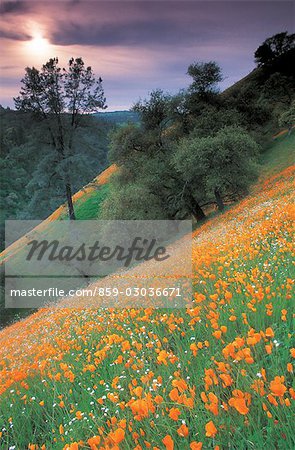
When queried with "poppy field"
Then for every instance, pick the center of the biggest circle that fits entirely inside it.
(219, 375)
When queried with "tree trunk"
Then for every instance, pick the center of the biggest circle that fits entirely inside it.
(70, 202)
(196, 210)
(218, 199)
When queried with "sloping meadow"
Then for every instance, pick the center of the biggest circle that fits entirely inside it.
(215, 375)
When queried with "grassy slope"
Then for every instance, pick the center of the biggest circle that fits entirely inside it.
(129, 377)
(88, 206)
(280, 155)
(86, 202)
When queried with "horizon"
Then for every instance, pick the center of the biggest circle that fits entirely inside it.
(136, 47)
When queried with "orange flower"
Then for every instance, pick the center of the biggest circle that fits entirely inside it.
(196, 445)
(217, 334)
(277, 387)
(199, 298)
(193, 347)
(94, 442)
(239, 401)
(142, 407)
(269, 333)
(180, 384)
(227, 379)
(138, 391)
(211, 402)
(174, 413)
(268, 349)
(228, 295)
(211, 429)
(117, 436)
(162, 357)
(73, 446)
(290, 368)
(168, 442)
(174, 395)
(183, 431)
(158, 399)
(272, 400)
(79, 415)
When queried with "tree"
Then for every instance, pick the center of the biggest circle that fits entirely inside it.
(143, 155)
(60, 99)
(130, 201)
(213, 119)
(225, 164)
(206, 76)
(154, 112)
(287, 119)
(274, 48)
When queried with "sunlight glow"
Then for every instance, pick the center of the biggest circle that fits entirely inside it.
(38, 45)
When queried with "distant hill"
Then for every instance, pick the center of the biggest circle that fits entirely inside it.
(250, 78)
(119, 117)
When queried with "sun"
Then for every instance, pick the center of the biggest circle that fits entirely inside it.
(38, 44)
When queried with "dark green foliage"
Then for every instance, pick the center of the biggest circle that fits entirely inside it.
(287, 119)
(130, 202)
(278, 90)
(203, 91)
(206, 76)
(124, 142)
(274, 48)
(138, 153)
(262, 96)
(255, 113)
(214, 118)
(195, 148)
(154, 112)
(225, 164)
(144, 156)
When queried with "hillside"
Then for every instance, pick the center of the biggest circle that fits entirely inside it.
(118, 117)
(243, 83)
(218, 374)
(86, 202)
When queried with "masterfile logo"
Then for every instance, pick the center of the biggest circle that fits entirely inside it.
(69, 255)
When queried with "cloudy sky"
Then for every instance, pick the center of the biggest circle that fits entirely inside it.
(136, 46)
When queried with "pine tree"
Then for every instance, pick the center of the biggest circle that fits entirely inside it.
(60, 98)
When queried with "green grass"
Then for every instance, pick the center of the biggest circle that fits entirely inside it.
(88, 207)
(279, 155)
